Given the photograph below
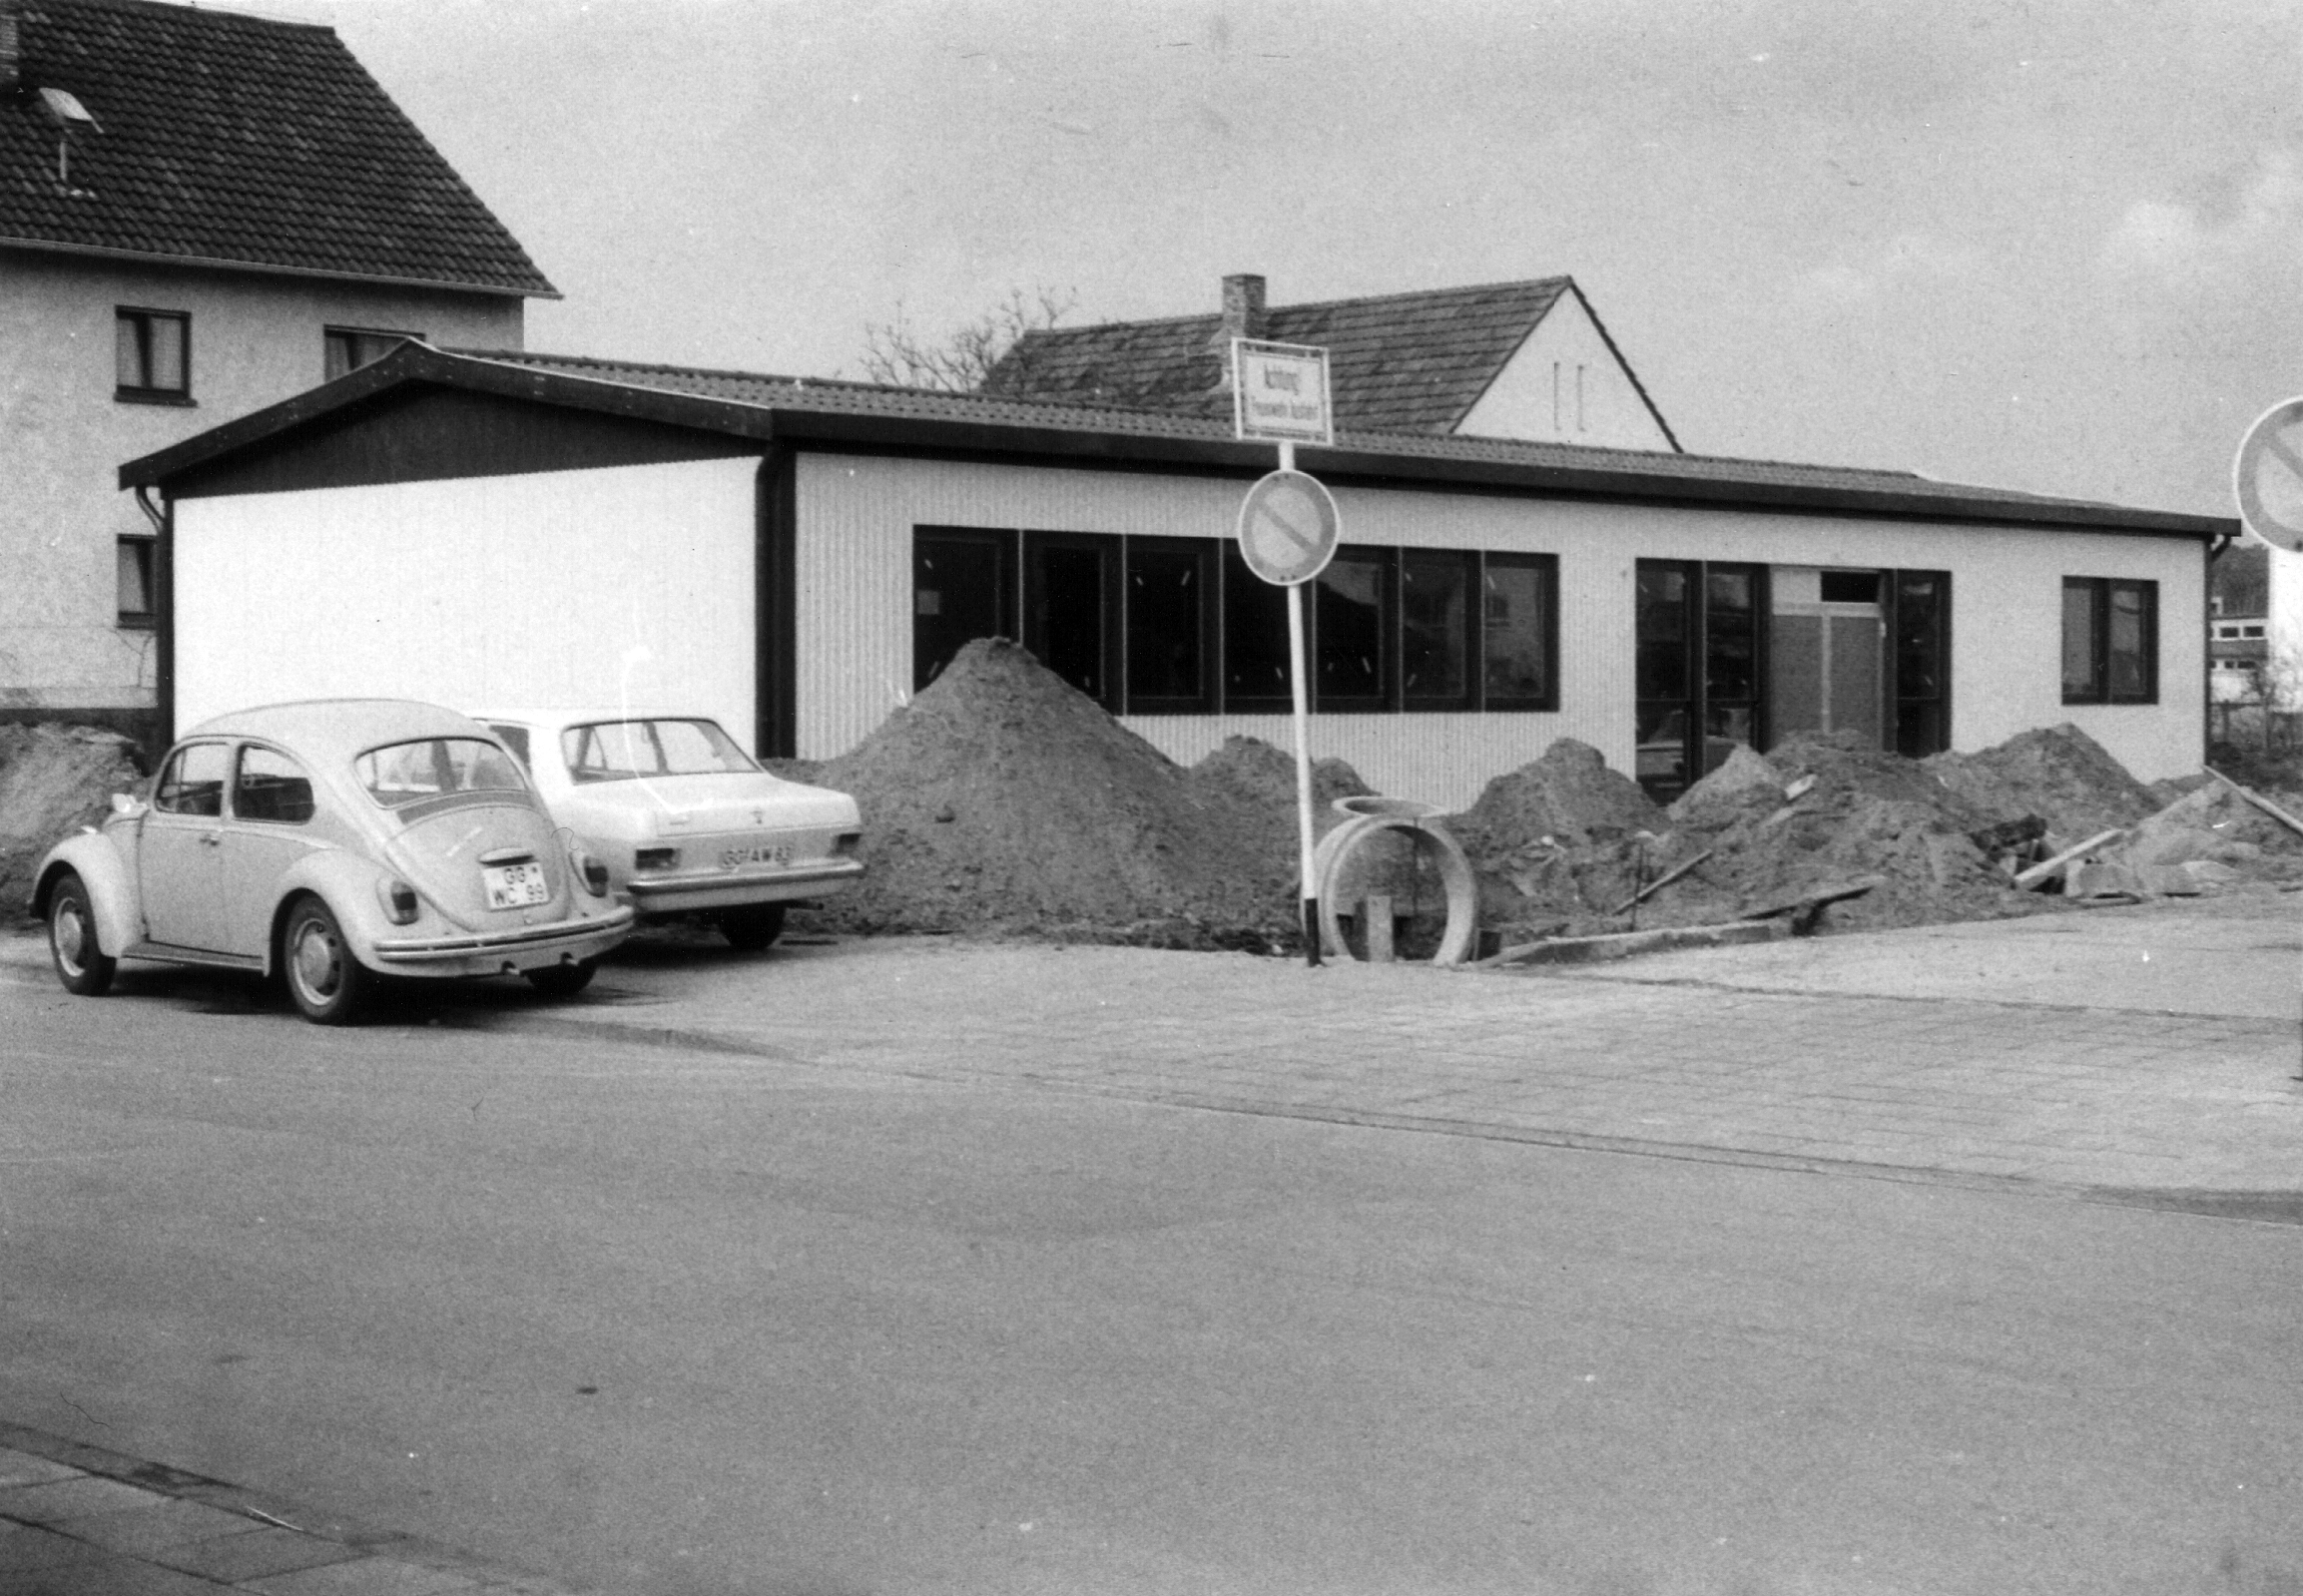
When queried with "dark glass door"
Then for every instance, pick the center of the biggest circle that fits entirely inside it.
(1699, 637)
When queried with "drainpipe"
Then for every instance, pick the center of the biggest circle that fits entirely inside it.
(2215, 548)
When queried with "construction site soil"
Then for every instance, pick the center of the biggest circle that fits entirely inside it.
(1002, 802)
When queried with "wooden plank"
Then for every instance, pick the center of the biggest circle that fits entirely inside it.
(2045, 869)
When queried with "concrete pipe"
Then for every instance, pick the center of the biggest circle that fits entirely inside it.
(1372, 817)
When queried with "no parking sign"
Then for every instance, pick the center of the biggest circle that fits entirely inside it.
(2268, 476)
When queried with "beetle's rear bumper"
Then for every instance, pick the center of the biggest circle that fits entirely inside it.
(720, 890)
(496, 952)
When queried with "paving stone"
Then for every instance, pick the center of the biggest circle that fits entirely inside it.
(164, 1522)
(367, 1576)
(77, 1497)
(231, 1559)
(24, 1468)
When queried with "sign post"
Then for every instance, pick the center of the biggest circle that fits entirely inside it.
(1288, 531)
(2268, 475)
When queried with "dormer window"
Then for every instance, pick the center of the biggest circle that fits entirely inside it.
(154, 356)
(349, 348)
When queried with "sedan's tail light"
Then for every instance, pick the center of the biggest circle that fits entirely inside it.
(399, 900)
(656, 858)
(846, 843)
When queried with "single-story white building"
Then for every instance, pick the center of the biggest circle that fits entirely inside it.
(797, 557)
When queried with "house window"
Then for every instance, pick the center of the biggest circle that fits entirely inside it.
(1170, 602)
(349, 348)
(1255, 640)
(1437, 621)
(1518, 632)
(137, 588)
(1071, 600)
(2110, 640)
(1352, 624)
(1181, 626)
(962, 588)
(153, 357)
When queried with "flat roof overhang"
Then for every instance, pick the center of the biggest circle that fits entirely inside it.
(852, 417)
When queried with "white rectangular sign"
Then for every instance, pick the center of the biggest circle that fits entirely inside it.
(1280, 393)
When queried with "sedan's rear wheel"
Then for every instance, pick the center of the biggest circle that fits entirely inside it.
(81, 965)
(562, 981)
(753, 927)
(327, 983)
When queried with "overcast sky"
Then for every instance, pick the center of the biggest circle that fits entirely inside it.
(2045, 245)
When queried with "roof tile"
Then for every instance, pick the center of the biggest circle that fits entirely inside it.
(231, 137)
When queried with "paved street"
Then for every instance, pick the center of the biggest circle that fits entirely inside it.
(909, 1267)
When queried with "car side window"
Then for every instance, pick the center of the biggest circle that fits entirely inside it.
(193, 783)
(270, 786)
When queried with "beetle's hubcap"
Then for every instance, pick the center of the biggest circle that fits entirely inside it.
(71, 937)
(317, 955)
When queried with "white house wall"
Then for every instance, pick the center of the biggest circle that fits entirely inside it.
(256, 339)
(855, 518)
(1565, 385)
(626, 585)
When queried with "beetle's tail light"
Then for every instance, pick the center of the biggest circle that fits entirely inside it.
(399, 900)
(846, 843)
(590, 871)
(656, 858)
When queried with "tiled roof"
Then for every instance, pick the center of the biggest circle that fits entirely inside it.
(1398, 362)
(235, 139)
(1636, 469)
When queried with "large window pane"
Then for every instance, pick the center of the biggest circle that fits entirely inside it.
(1731, 635)
(1169, 610)
(167, 353)
(1255, 637)
(1515, 631)
(1354, 656)
(2130, 631)
(961, 591)
(1066, 591)
(2082, 680)
(1434, 627)
(1662, 627)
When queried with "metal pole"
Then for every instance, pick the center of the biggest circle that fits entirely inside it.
(1303, 773)
(1297, 682)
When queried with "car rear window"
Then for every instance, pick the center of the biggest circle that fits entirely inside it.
(618, 751)
(408, 773)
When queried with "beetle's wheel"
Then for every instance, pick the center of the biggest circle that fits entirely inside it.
(327, 983)
(81, 965)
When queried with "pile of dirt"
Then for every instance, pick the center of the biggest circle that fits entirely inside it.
(2059, 773)
(1567, 847)
(52, 781)
(2213, 825)
(1256, 783)
(1003, 800)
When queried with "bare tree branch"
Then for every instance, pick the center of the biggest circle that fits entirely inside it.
(899, 354)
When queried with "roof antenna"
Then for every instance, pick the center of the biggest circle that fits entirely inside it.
(70, 116)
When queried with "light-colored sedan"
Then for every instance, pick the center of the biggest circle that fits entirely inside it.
(331, 843)
(688, 822)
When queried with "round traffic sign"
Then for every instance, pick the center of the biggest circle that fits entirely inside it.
(1288, 528)
(2268, 475)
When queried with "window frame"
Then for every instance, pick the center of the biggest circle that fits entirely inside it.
(2102, 591)
(1385, 558)
(1206, 553)
(144, 549)
(1111, 649)
(240, 785)
(1473, 564)
(143, 318)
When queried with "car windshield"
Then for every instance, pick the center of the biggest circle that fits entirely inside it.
(408, 773)
(619, 751)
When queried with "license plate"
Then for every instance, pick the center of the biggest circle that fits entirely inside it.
(736, 858)
(515, 887)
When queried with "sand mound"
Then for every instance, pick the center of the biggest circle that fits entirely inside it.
(1569, 795)
(1003, 800)
(2060, 774)
(52, 779)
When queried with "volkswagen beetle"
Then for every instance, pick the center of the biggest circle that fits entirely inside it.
(688, 822)
(331, 843)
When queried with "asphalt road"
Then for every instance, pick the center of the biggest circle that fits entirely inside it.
(676, 1321)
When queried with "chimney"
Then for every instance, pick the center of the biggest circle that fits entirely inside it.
(1243, 306)
(11, 48)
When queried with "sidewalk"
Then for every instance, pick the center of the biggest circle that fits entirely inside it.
(2151, 1048)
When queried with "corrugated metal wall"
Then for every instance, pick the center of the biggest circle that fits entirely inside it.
(857, 514)
(551, 589)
